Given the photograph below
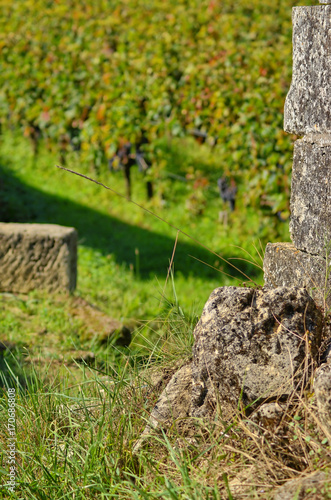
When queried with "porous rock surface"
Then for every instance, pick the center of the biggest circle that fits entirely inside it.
(310, 224)
(308, 103)
(173, 404)
(251, 344)
(314, 486)
(269, 415)
(285, 265)
(36, 256)
(322, 387)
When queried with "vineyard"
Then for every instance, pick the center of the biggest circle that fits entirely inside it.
(86, 76)
(192, 92)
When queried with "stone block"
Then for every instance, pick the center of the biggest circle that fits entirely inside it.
(252, 344)
(308, 103)
(173, 405)
(285, 265)
(37, 256)
(310, 224)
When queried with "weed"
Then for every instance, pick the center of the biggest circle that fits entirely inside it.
(77, 424)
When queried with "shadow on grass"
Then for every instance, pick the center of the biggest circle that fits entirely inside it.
(12, 373)
(22, 203)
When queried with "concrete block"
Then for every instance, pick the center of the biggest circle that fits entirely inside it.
(285, 265)
(308, 103)
(34, 256)
(310, 224)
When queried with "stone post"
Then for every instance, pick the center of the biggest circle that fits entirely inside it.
(307, 261)
(37, 256)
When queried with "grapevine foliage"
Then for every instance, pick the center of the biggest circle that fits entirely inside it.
(86, 74)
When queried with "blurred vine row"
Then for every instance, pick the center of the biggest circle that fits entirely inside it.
(87, 76)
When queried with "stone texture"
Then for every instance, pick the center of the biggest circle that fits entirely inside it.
(269, 415)
(310, 224)
(308, 103)
(285, 265)
(322, 387)
(316, 486)
(36, 256)
(173, 404)
(251, 344)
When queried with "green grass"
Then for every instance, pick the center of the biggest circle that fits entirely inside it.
(115, 235)
(76, 429)
(124, 252)
(77, 421)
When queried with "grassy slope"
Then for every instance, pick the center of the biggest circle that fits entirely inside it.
(74, 439)
(110, 230)
(76, 425)
(124, 252)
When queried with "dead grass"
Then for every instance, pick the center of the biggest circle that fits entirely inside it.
(77, 426)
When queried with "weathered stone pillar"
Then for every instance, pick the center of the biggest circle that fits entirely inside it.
(307, 113)
(37, 256)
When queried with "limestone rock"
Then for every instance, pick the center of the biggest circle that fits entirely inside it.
(269, 415)
(36, 256)
(310, 224)
(322, 386)
(251, 344)
(309, 487)
(285, 265)
(308, 103)
(327, 351)
(173, 404)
